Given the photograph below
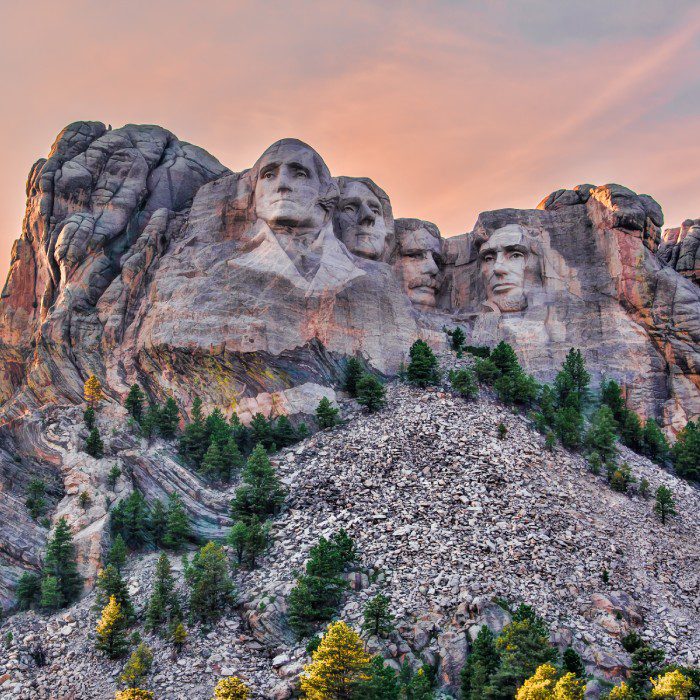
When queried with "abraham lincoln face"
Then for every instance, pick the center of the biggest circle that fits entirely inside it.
(502, 262)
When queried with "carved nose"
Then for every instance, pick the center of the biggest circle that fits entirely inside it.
(430, 267)
(366, 215)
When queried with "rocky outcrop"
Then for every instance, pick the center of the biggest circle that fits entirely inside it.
(680, 248)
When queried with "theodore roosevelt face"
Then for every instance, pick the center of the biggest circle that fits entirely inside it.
(418, 264)
(361, 221)
(502, 261)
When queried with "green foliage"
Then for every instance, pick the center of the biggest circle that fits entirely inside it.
(622, 478)
(547, 402)
(168, 419)
(130, 519)
(572, 662)
(464, 383)
(631, 431)
(571, 384)
(111, 631)
(195, 438)
(60, 562)
(423, 369)
(458, 339)
(646, 662)
(137, 667)
(163, 605)
(665, 506)
(686, 451)
(157, 522)
(284, 434)
(177, 523)
(134, 402)
(550, 441)
(114, 473)
(481, 351)
(504, 358)
(84, 500)
(631, 642)
(249, 539)
(178, 636)
(595, 462)
(28, 590)
(35, 501)
(486, 371)
(379, 682)
(149, 423)
(89, 417)
(353, 373)
(262, 493)
(377, 618)
(317, 593)
(261, 432)
(117, 552)
(516, 387)
(51, 597)
(94, 445)
(326, 414)
(213, 465)
(111, 584)
(211, 588)
(502, 431)
(611, 396)
(655, 442)
(568, 425)
(482, 662)
(601, 435)
(371, 393)
(644, 487)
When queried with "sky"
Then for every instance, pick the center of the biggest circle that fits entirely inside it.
(453, 107)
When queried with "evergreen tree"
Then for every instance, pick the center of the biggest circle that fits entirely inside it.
(646, 662)
(162, 605)
(233, 460)
(326, 414)
(110, 631)
(179, 636)
(211, 587)
(547, 401)
(423, 369)
(550, 441)
(568, 424)
(686, 451)
(486, 371)
(464, 383)
(458, 340)
(84, 500)
(655, 442)
(169, 419)
(284, 434)
(217, 428)
(631, 431)
(89, 417)
(137, 667)
(214, 464)
(249, 539)
(502, 431)
(353, 373)
(516, 387)
(419, 686)
(379, 682)
(481, 664)
(35, 502)
(130, 519)
(644, 488)
(51, 596)
(377, 617)
(195, 438)
(665, 506)
(573, 663)
(371, 393)
(92, 391)
(157, 522)
(117, 553)
(150, 421)
(338, 665)
(571, 384)
(60, 562)
(231, 688)
(114, 473)
(504, 358)
(110, 584)
(94, 445)
(601, 435)
(261, 432)
(28, 591)
(622, 478)
(134, 402)
(177, 524)
(262, 493)
(611, 396)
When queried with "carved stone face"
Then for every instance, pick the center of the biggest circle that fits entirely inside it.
(502, 262)
(288, 187)
(361, 221)
(418, 266)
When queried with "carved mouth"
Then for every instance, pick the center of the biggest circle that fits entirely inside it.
(503, 287)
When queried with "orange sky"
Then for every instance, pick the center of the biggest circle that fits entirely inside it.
(452, 107)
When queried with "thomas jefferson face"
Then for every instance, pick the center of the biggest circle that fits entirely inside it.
(288, 187)
(418, 265)
(361, 221)
(502, 261)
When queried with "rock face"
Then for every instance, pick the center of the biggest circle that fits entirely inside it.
(143, 259)
(680, 248)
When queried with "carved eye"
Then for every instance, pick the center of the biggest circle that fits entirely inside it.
(516, 254)
(375, 211)
(301, 174)
(269, 175)
(488, 258)
(349, 209)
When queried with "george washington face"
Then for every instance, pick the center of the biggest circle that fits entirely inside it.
(502, 262)
(361, 221)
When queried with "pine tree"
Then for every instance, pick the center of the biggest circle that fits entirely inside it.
(261, 493)
(92, 391)
(353, 373)
(94, 445)
(114, 473)
(84, 500)
(377, 618)
(89, 417)
(179, 636)
(134, 402)
(169, 419)
(261, 432)
(110, 631)
(601, 435)
(339, 663)
(486, 371)
(631, 431)
(177, 524)
(162, 606)
(231, 688)
(371, 393)
(157, 522)
(423, 369)
(568, 424)
(233, 460)
(150, 421)
(28, 591)
(655, 442)
(646, 663)
(195, 439)
(547, 402)
(686, 451)
(571, 384)
(464, 383)
(35, 502)
(502, 431)
(217, 428)
(137, 667)
(213, 464)
(283, 432)
(380, 683)
(130, 519)
(60, 562)
(117, 553)
(665, 506)
(51, 597)
(211, 588)
(249, 538)
(109, 585)
(481, 664)
(611, 396)
(505, 359)
(573, 663)
(458, 339)
(326, 414)
(419, 686)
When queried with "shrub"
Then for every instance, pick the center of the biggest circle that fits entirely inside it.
(232, 688)
(353, 373)
(261, 493)
(464, 383)
(422, 370)
(486, 371)
(371, 393)
(502, 431)
(377, 618)
(665, 506)
(326, 414)
(137, 667)
(622, 478)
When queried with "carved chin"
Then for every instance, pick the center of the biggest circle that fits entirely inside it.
(508, 302)
(424, 296)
